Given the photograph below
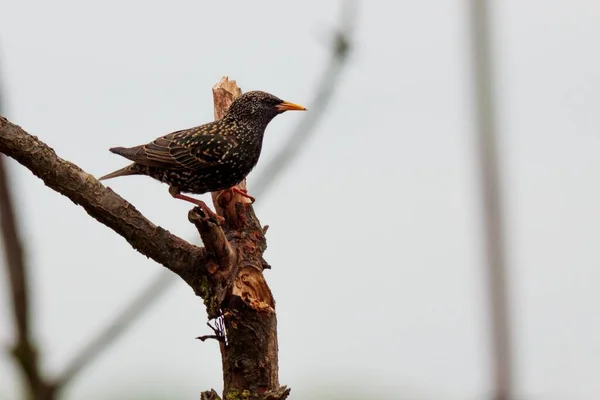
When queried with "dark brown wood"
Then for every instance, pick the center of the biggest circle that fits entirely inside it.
(250, 351)
(250, 357)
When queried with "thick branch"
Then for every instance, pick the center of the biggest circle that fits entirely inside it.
(103, 204)
(249, 351)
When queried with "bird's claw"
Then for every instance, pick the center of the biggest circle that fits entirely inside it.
(244, 193)
(241, 192)
(211, 214)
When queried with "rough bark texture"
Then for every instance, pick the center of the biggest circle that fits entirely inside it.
(226, 273)
(249, 353)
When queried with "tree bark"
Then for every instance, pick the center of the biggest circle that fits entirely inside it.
(227, 273)
(249, 352)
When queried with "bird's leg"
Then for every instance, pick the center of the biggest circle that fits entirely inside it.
(174, 191)
(243, 192)
(235, 189)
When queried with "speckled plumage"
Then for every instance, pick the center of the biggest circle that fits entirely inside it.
(209, 157)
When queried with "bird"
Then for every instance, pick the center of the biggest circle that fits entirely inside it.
(210, 157)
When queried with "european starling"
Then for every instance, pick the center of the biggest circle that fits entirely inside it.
(210, 157)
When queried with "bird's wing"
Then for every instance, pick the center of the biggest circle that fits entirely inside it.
(187, 149)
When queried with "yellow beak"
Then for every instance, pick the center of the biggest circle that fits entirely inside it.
(287, 106)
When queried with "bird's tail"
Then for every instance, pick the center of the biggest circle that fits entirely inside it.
(128, 170)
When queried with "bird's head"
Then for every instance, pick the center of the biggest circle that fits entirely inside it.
(260, 107)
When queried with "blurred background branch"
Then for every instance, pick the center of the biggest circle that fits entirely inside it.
(124, 319)
(491, 195)
(340, 51)
(23, 349)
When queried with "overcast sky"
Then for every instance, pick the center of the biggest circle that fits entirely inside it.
(375, 233)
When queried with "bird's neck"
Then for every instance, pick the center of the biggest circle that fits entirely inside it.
(255, 125)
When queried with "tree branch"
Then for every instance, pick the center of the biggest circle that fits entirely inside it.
(103, 204)
(490, 186)
(216, 244)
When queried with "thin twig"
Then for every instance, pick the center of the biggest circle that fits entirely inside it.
(133, 312)
(206, 337)
(326, 89)
(492, 201)
(218, 329)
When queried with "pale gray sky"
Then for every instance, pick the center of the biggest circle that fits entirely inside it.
(375, 236)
